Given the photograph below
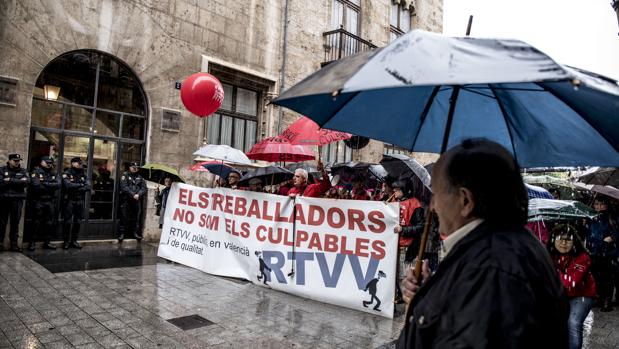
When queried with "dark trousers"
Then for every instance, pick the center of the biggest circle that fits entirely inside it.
(130, 213)
(43, 221)
(73, 213)
(10, 209)
(602, 270)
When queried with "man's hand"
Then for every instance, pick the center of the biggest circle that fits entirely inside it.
(410, 285)
(397, 229)
(24, 179)
(608, 239)
(136, 197)
(7, 179)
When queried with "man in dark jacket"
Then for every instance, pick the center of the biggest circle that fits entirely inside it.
(132, 191)
(43, 187)
(76, 184)
(495, 286)
(13, 182)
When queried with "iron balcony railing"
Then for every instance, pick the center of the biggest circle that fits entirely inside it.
(340, 43)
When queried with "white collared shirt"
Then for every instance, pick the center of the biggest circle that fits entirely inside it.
(456, 236)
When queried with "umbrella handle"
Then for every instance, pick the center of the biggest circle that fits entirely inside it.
(420, 255)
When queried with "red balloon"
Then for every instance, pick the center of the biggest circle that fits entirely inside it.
(202, 94)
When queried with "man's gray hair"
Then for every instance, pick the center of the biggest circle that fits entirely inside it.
(301, 172)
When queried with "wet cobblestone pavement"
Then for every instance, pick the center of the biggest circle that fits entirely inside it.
(128, 307)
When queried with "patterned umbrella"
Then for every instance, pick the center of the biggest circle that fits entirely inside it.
(544, 209)
(306, 132)
(214, 167)
(279, 149)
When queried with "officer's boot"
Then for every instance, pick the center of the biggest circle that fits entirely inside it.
(121, 236)
(48, 246)
(31, 246)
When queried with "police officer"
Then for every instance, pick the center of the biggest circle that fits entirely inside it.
(13, 182)
(43, 186)
(132, 190)
(76, 185)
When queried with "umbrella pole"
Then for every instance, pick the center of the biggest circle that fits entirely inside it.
(294, 234)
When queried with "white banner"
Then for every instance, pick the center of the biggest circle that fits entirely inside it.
(344, 252)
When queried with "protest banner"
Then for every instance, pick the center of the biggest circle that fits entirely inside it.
(336, 251)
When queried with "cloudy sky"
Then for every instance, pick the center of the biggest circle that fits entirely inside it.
(580, 33)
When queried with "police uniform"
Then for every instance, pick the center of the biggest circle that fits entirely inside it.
(13, 183)
(130, 208)
(43, 187)
(76, 185)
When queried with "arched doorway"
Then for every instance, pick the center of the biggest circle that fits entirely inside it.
(90, 104)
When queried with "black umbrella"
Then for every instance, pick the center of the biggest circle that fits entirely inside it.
(351, 170)
(269, 175)
(399, 165)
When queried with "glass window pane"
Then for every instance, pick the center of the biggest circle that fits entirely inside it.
(348, 154)
(337, 15)
(213, 129)
(239, 133)
(352, 23)
(341, 151)
(227, 103)
(250, 134)
(332, 153)
(107, 124)
(356, 2)
(119, 88)
(324, 153)
(46, 113)
(392, 36)
(78, 119)
(129, 153)
(103, 179)
(226, 130)
(75, 146)
(246, 101)
(43, 144)
(393, 18)
(405, 20)
(133, 127)
(75, 74)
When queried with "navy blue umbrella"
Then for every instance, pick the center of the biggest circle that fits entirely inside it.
(426, 92)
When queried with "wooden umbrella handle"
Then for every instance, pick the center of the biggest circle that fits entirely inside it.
(422, 246)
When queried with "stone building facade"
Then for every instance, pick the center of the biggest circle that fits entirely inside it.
(131, 54)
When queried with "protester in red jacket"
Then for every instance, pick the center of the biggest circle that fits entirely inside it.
(301, 188)
(573, 264)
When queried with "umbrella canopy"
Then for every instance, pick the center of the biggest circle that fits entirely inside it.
(398, 165)
(269, 175)
(430, 92)
(600, 189)
(600, 176)
(544, 209)
(222, 152)
(278, 149)
(214, 167)
(537, 192)
(349, 171)
(566, 188)
(157, 173)
(379, 172)
(305, 131)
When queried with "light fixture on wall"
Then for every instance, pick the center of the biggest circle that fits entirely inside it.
(51, 92)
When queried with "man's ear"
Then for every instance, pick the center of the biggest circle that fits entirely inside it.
(467, 202)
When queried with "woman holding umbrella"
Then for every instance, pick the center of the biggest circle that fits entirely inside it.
(574, 267)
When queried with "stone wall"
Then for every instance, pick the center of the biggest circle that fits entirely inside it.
(164, 41)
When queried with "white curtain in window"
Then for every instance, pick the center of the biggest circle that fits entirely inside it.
(226, 130)
(332, 152)
(250, 134)
(405, 20)
(227, 103)
(324, 153)
(348, 156)
(341, 151)
(239, 133)
(246, 101)
(212, 135)
(337, 14)
(393, 19)
(352, 21)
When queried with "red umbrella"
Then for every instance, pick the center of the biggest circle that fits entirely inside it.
(279, 149)
(306, 132)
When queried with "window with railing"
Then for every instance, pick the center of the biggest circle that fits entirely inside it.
(335, 153)
(346, 14)
(392, 149)
(400, 19)
(236, 122)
